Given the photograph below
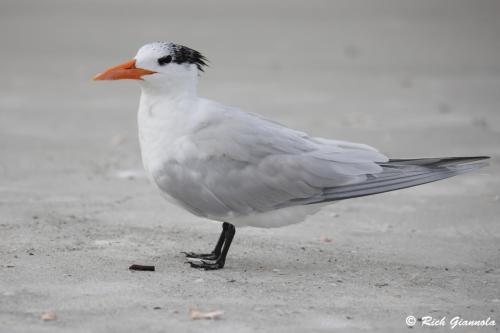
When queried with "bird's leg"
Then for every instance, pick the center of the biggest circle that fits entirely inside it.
(216, 251)
(228, 230)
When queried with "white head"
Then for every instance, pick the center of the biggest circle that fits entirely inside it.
(161, 67)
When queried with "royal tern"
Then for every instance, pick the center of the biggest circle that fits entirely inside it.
(241, 169)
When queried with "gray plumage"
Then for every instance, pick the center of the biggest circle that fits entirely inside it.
(401, 173)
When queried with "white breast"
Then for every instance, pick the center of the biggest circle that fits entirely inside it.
(165, 130)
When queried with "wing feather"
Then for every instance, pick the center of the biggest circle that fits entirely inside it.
(251, 164)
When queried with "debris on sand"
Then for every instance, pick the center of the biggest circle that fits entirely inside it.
(142, 268)
(129, 174)
(48, 316)
(117, 140)
(325, 239)
(196, 314)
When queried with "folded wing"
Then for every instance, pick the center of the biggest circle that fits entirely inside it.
(254, 165)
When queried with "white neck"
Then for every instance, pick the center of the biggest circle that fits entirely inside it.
(173, 87)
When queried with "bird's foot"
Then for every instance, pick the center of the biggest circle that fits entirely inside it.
(206, 264)
(208, 256)
(217, 258)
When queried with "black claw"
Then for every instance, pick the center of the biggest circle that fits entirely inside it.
(210, 256)
(207, 265)
(217, 258)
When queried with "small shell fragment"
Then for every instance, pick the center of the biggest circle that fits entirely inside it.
(197, 314)
(48, 316)
(325, 239)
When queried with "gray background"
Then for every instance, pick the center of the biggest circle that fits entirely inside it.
(413, 78)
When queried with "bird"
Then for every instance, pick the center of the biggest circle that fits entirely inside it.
(241, 169)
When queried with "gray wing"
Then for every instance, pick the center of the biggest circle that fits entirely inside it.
(240, 164)
(246, 164)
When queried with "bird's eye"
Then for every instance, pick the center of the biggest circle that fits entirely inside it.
(164, 60)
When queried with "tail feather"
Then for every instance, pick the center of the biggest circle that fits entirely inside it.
(403, 173)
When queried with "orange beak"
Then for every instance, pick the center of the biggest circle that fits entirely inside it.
(124, 71)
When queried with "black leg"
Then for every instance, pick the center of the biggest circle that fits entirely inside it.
(216, 251)
(222, 247)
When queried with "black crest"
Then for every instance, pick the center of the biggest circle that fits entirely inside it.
(184, 55)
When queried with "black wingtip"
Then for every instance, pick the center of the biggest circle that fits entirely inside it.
(479, 158)
(439, 160)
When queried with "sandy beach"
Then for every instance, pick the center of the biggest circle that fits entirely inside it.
(412, 78)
